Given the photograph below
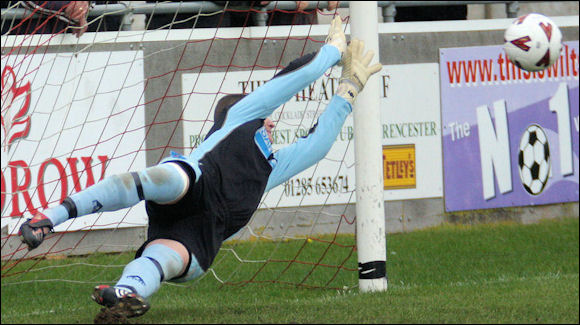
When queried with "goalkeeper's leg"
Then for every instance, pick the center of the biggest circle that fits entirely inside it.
(163, 184)
(162, 260)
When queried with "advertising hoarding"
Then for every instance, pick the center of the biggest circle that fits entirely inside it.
(510, 137)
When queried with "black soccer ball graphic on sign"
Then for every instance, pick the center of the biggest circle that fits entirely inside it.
(534, 159)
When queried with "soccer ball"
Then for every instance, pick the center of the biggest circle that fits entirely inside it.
(534, 159)
(533, 42)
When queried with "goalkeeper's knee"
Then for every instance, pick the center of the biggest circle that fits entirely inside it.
(163, 184)
(170, 264)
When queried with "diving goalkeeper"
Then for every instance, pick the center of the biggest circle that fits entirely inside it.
(195, 203)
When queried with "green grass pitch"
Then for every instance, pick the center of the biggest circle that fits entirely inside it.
(490, 273)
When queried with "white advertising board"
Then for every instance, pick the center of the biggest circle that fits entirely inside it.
(68, 120)
(410, 113)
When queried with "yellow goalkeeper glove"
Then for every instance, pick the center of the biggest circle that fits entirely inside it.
(336, 35)
(356, 70)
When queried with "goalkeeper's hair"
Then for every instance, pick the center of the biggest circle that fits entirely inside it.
(223, 106)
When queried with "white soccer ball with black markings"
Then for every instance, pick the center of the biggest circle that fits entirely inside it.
(533, 42)
(534, 159)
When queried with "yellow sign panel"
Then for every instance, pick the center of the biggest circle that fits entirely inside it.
(399, 167)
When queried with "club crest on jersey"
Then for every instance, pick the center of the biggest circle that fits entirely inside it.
(264, 144)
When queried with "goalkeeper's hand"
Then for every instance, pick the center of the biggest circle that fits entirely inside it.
(336, 35)
(356, 70)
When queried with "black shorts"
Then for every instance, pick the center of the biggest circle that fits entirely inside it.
(190, 221)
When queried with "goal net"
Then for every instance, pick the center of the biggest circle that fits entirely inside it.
(133, 89)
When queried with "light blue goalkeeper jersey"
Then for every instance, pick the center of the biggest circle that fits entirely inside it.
(307, 151)
(261, 103)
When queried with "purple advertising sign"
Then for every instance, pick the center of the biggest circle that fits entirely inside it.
(510, 137)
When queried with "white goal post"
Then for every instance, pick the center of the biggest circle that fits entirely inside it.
(370, 220)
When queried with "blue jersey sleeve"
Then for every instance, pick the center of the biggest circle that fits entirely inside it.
(262, 102)
(307, 151)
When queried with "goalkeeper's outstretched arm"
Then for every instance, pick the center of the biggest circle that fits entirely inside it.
(308, 150)
(263, 101)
